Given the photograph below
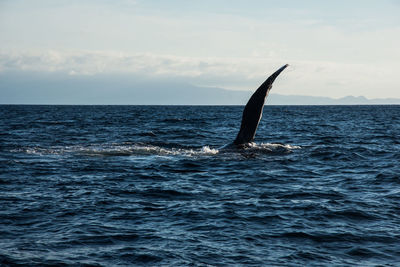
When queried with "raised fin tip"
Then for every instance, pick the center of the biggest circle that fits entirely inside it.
(276, 73)
(281, 68)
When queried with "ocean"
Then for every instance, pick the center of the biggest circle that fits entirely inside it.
(150, 186)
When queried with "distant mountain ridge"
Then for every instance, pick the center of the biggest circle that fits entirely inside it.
(277, 99)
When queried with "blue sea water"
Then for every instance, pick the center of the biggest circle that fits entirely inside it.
(149, 186)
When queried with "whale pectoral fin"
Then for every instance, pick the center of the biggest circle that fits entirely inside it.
(252, 112)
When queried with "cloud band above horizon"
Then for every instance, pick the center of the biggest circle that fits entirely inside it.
(335, 50)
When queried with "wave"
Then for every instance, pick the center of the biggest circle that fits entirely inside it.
(269, 148)
(142, 149)
(118, 150)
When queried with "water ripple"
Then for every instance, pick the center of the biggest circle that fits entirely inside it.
(150, 186)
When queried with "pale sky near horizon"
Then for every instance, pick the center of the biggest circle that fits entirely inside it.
(334, 48)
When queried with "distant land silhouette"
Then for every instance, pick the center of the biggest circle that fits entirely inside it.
(276, 99)
(58, 88)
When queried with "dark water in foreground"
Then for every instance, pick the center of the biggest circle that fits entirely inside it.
(147, 185)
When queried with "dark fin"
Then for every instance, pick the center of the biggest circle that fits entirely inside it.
(253, 111)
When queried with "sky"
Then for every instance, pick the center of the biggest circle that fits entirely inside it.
(334, 48)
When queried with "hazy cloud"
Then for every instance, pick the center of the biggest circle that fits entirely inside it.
(334, 49)
(303, 77)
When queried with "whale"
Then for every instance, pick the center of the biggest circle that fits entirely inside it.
(252, 112)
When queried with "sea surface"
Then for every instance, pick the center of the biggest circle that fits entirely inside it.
(150, 186)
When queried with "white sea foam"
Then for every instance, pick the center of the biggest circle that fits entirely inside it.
(286, 146)
(270, 148)
(132, 149)
(118, 150)
(208, 150)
